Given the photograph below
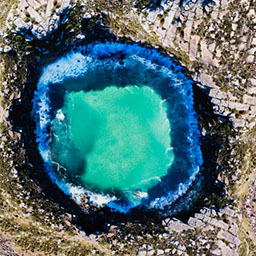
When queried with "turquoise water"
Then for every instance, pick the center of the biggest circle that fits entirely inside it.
(122, 134)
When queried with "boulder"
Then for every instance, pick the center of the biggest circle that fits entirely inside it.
(195, 223)
(227, 211)
(142, 253)
(194, 40)
(251, 90)
(207, 56)
(187, 30)
(21, 25)
(225, 235)
(249, 100)
(227, 251)
(5, 49)
(203, 217)
(219, 224)
(237, 123)
(238, 106)
(217, 93)
(234, 229)
(216, 252)
(175, 225)
(168, 20)
(253, 81)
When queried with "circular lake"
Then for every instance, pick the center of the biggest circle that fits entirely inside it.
(116, 121)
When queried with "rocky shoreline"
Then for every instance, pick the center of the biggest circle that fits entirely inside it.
(215, 230)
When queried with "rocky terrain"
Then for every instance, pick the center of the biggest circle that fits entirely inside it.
(215, 42)
(37, 18)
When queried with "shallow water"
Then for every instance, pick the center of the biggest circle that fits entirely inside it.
(121, 134)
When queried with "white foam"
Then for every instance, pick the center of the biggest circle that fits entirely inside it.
(60, 116)
(164, 201)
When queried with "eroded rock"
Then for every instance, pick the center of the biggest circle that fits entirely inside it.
(41, 18)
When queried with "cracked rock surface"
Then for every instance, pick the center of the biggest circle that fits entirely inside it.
(40, 17)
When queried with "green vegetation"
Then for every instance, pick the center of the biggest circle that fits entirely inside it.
(5, 6)
(140, 4)
(42, 8)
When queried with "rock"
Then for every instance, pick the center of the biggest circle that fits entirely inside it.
(251, 125)
(5, 49)
(208, 228)
(253, 81)
(34, 15)
(206, 80)
(170, 36)
(251, 90)
(109, 235)
(214, 15)
(202, 217)
(142, 253)
(184, 46)
(65, 5)
(252, 51)
(206, 211)
(40, 23)
(249, 100)
(182, 247)
(234, 230)
(152, 15)
(168, 20)
(93, 237)
(228, 211)
(225, 249)
(177, 226)
(219, 224)
(160, 252)
(196, 223)
(39, 33)
(216, 93)
(211, 47)
(151, 253)
(53, 23)
(207, 56)
(80, 37)
(224, 4)
(250, 59)
(228, 237)
(219, 107)
(238, 106)
(161, 32)
(237, 123)
(193, 47)
(181, 253)
(5, 247)
(21, 25)
(253, 110)
(187, 30)
(3, 115)
(216, 252)
(113, 229)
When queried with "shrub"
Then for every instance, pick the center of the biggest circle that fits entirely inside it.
(26, 13)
